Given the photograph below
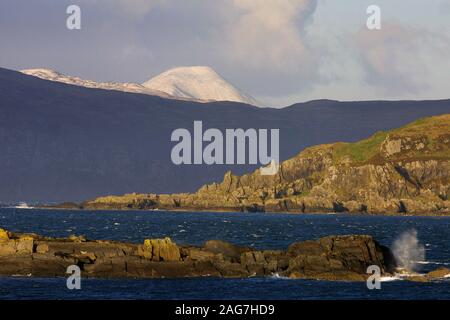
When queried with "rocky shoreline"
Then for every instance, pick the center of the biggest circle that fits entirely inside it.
(237, 210)
(329, 258)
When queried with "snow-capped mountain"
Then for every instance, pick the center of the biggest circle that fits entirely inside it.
(197, 82)
(201, 84)
(52, 75)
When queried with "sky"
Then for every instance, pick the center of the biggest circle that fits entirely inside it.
(279, 51)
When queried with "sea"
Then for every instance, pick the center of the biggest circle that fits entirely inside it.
(258, 230)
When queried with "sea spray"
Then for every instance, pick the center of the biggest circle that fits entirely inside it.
(408, 251)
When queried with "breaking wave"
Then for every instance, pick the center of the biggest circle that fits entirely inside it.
(407, 250)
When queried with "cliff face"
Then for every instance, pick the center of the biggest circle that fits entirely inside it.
(406, 170)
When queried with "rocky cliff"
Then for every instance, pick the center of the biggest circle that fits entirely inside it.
(402, 171)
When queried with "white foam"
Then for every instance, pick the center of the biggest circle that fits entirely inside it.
(407, 250)
(390, 278)
(277, 276)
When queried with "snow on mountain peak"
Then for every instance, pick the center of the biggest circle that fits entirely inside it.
(43, 73)
(197, 82)
(52, 75)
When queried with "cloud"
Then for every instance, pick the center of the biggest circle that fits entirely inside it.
(280, 51)
(444, 8)
(130, 8)
(269, 34)
(391, 58)
(265, 42)
(139, 7)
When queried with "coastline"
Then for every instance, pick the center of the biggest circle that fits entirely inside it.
(331, 258)
(404, 171)
(197, 210)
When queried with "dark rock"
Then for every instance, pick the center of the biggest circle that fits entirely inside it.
(337, 255)
(228, 250)
(330, 258)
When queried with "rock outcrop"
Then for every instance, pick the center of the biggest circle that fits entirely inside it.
(438, 274)
(403, 171)
(330, 258)
(159, 250)
(22, 245)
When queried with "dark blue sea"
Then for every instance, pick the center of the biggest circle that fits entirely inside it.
(259, 230)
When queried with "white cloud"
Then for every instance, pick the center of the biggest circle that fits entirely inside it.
(270, 34)
(139, 7)
(394, 59)
(131, 8)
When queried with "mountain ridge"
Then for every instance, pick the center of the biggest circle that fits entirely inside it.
(199, 84)
(64, 142)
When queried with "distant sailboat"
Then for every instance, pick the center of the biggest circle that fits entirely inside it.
(22, 205)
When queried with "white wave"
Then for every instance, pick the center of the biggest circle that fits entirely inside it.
(432, 262)
(22, 205)
(276, 275)
(391, 278)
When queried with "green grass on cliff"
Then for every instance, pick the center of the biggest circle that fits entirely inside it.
(360, 151)
(432, 129)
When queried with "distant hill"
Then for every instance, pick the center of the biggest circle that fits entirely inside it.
(405, 170)
(65, 142)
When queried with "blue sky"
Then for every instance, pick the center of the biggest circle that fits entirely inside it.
(279, 51)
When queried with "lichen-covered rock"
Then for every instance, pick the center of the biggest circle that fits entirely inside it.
(24, 245)
(7, 248)
(418, 278)
(42, 248)
(21, 246)
(163, 249)
(438, 273)
(76, 238)
(3, 235)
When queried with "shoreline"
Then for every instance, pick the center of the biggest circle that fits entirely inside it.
(51, 207)
(330, 258)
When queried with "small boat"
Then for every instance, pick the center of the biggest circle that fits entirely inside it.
(22, 205)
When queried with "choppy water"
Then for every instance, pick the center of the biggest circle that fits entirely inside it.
(258, 230)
